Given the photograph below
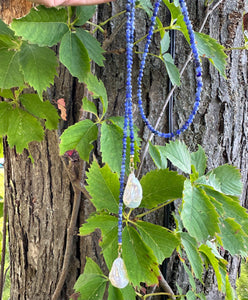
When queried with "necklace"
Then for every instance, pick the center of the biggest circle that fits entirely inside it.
(132, 194)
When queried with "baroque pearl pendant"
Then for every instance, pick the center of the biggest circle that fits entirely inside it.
(118, 274)
(133, 192)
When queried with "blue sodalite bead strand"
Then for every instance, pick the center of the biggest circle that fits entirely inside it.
(128, 118)
(129, 62)
(198, 72)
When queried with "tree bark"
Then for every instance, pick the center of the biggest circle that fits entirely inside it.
(40, 196)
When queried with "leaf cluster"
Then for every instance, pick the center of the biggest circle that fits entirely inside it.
(210, 218)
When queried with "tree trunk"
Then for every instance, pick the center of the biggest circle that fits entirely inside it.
(39, 195)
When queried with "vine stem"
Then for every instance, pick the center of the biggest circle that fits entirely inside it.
(75, 181)
(208, 13)
(154, 209)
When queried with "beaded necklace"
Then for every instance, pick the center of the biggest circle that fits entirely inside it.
(132, 194)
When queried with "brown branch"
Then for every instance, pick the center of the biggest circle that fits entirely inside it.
(2, 277)
(165, 286)
(75, 181)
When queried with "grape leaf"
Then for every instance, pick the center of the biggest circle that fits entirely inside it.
(141, 264)
(159, 159)
(44, 110)
(160, 240)
(109, 246)
(5, 112)
(209, 180)
(10, 73)
(74, 56)
(92, 283)
(98, 89)
(199, 160)
(42, 26)
(171, 69)
(190, 295)
(89, 106)
(198, 213)
(23, 129)
(92, 45)
(147, 6)
(210, 48)
(80, 137)
(103, 186)
(190, 247)
(84, 13)
(159, 186)
(179, 155)
(7, 41)
(38, 65)
(229, 178)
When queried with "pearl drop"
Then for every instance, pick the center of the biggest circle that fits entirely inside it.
(133, 192)
(118, 274)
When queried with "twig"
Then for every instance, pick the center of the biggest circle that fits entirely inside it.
(109, 40)
(209, 11)
(152, 292)
(165, 286)
(2, 279)
(75, 181)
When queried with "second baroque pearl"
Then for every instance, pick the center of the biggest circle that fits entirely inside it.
(133, 192)
(118, 274)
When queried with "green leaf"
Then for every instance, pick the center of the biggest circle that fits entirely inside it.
(177, 17)
(190, 247)
(5, 113)
(109, 228)
(114, 293)
(207, 251)
(141, 264)
(92, 45)
(73, 54)
(232, 237)
(161, 241)
(159, 159)
(230, 207)
(10, 74)
(190, 295)
(6, 94)
(230, 179)
(128, 293)
(92, 283)
(38, 65)
(42, 26)
(89, 106)
(165, 43)
(4, 29)
(171, 69)
(159, 186)
(199, 160)
(44, 110)
(230, 292)
(9, 42)
(102, 221)
(23, 129)
(210, 48)
(98, 89)
(179, 155)
(84, 13)
(111, 146)
(198, 213)
(209, 180)
(103, 186)
(147, 6)
(80, 137)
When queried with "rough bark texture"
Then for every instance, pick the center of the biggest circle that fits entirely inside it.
(39, 195)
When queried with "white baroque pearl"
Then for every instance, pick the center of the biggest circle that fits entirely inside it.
(118, 274)
(133, 192)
